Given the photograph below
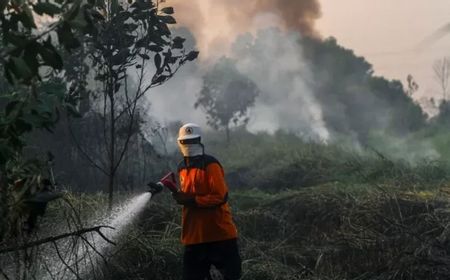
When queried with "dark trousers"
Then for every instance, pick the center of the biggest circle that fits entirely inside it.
(224, 255)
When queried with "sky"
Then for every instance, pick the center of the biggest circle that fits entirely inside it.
(390, 33)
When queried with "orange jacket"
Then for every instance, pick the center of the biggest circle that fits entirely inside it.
(209, 219)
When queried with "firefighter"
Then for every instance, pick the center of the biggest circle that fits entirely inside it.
(208, 232)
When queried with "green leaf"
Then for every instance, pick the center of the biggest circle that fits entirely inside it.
(67, 38)
(177, 42)
(155, 48)
(73, 12)
(192, 55)
(160, 79)
(167, 19)
(26, 17)
(16, 39)
(50, 56)
(47, 8)
(11, 107)
(73, 111)
(55, 88)
(144, 56)
(130, 27)
(8, 72)
(21, 69)
(167, 10)
(121, 57)
(158, 61)
(141, 43)
(6, 151)
(30, 57)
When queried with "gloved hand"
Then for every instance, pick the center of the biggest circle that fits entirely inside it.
(155, 188)
(184, 198)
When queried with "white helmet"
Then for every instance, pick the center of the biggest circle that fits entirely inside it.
(189, 131)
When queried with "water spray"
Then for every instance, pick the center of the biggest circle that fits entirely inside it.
(125, 214)
(90, 257)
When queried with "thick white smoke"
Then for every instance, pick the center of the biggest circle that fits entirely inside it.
(274, 61)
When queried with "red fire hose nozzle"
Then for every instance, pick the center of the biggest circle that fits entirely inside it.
(167, 181)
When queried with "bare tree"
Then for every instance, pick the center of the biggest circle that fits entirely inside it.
(441, 69)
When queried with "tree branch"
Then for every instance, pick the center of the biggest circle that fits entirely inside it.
(4, 274)
(84, 153)
(58, 237)
(129, 135)
(141, 92)
(61, 258)
(94, 249)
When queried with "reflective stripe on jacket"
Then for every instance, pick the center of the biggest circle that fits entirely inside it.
(209, 219)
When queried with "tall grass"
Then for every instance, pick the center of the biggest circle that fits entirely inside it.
(304, 211)
(283, 161)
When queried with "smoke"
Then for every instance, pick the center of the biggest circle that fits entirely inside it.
(262, 37)
(312, 87)
(274, 61)
(217, 23)
(174, 101)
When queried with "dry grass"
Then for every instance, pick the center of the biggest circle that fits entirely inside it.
(317, 233)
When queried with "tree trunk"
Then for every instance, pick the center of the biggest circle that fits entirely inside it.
(3, 206)
(112, 133)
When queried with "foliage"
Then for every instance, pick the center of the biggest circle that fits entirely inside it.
(28, 51)
(25, 112)
(128, 38)
(354, 101)
(443, 118)
(29, 55)
(34, 97)
(226, 95)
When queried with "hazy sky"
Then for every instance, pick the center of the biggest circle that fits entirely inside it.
(388, 33)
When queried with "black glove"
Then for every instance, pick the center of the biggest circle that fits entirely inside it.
(155, 188)
(184, 198)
